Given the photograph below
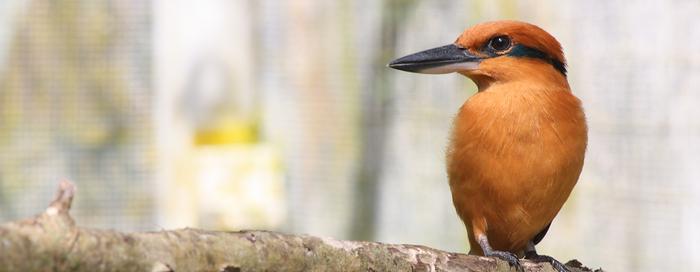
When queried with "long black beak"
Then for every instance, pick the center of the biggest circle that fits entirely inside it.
(440, 60)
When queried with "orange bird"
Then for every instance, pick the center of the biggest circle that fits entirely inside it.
(517, 146)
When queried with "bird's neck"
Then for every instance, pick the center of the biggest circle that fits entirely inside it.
(537, 96)
(525, 86)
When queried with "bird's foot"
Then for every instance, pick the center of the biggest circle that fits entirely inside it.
(511, 258)
(558, 266)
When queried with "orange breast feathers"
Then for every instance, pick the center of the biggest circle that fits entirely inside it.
(516, 153)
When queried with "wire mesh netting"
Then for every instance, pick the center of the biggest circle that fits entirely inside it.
(75, 102)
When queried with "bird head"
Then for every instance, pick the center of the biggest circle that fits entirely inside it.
(493, 52)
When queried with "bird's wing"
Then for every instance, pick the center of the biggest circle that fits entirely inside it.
(541, 234)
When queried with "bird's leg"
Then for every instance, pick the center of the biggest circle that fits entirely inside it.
(511, 258)
(531, 254)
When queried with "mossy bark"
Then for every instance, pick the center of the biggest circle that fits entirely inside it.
(52, 242)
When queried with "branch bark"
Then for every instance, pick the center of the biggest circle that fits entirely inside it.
(52, 242)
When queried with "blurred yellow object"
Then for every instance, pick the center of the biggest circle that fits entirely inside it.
(228, 131)
(227, 180)
(239, 186)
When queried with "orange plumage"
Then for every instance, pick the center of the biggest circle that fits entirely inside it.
(518, 145)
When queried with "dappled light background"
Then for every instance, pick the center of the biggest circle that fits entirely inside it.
(281, 115)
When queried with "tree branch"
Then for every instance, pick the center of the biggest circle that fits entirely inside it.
(52, 242)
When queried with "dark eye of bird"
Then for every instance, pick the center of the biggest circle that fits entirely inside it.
(499, 43)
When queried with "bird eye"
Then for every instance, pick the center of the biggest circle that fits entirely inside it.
(499, 43)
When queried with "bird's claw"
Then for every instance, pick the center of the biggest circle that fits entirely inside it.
(558, 266)
(511, 258)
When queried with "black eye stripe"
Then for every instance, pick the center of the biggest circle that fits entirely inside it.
(520, 50)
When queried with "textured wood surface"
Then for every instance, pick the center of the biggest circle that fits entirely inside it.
(52, 242)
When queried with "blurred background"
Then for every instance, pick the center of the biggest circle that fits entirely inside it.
(281, 115)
